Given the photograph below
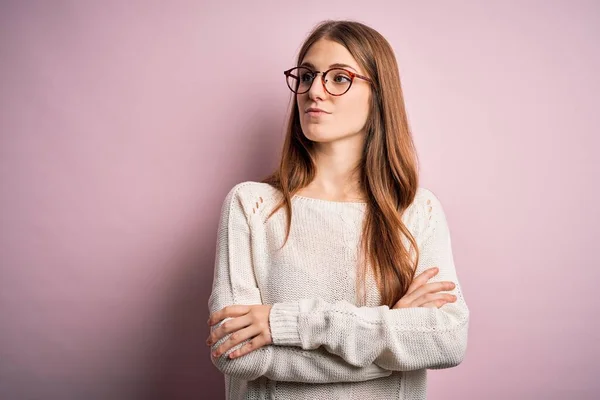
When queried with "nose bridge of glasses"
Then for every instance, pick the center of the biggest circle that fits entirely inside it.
(323, 74)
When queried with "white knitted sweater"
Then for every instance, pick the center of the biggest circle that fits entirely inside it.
(325, 346)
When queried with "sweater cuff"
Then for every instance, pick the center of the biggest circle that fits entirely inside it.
(283, 321)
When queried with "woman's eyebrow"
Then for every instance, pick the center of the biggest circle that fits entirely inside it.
(336, 65)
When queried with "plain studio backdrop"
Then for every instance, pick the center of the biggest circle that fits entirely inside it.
(124, 124)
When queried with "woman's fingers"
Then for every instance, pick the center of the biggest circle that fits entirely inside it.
(427, 289)
(422, 279)
(423, 294)
(234, 310)
(417, 282)
(256, 343)
(229, 326)
(434, 300)
(235, 339)
(253, 325)
(435, 304)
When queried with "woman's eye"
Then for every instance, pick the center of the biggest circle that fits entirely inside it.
(306, 77)
(340, 78)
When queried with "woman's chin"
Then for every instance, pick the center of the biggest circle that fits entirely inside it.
(318, 138)
(317, 135)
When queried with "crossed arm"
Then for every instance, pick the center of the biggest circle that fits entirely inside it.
(320, 342)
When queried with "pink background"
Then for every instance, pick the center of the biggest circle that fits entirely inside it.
(123, 126)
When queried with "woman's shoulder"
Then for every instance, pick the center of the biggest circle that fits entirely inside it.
(251, 194)
(425, 211)
(425, 197)
(252, 188)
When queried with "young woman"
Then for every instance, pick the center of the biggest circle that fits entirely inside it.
(334, 277)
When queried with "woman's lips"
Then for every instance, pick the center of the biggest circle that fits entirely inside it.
(315, 112)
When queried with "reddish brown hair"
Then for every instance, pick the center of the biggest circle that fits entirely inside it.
(388, 168)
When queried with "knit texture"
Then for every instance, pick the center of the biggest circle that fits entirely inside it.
(326, 343)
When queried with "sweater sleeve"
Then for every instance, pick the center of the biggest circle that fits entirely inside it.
(234, 283)
(396, 339)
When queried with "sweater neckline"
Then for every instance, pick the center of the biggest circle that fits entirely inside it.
(331, 202)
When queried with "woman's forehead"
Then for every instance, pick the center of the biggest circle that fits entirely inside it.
(325, 54)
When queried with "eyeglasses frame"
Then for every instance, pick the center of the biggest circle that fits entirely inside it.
(353, 75)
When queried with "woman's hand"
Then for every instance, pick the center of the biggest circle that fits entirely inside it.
(423, 294)
(251, 322)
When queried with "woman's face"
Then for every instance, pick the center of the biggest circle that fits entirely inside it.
(344, 115)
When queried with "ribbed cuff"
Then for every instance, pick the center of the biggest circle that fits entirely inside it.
(283, 322)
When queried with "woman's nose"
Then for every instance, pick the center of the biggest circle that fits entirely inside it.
(316, 89)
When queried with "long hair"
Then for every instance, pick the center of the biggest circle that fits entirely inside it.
(388, 166)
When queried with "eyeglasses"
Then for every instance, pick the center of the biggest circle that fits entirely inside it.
(300, 79)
